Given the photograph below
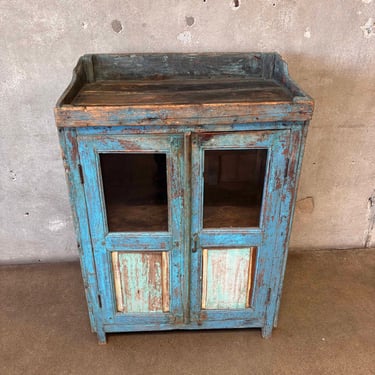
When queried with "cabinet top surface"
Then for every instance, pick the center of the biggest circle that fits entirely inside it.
(180, 91)
(181, 86)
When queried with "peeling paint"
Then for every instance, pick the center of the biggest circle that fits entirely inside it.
(368, 28)
(367, 1)
(185, 37)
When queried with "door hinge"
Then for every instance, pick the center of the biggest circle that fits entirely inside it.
(81, 174)
(100, 301)
(268, 296)
(286, 169)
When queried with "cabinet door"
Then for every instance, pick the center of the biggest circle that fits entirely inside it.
(134, 199)
(237, 181)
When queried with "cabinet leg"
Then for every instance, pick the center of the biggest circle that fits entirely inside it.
(267, 331)
(102, 338)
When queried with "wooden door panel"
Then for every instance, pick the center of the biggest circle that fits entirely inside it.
(136, 228)
(227, 276)
(141, 281)
(237, 189)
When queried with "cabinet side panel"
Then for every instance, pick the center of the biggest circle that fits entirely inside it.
(70, 157)
(298, 135)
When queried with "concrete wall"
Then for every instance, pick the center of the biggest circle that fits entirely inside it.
(330, 48)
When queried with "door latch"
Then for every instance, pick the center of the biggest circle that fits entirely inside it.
(195, 243)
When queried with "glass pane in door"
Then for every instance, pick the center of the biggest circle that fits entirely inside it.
(135, 191)
(233, 187)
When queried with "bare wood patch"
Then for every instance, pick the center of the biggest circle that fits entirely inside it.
(250, 279)
(165, 280)
(204, 278)
(117, 281)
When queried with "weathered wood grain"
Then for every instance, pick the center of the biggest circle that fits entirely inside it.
(117, 93)
(250, 279)
(165, 280)
(225, 278)
(204, 277)
(178, 84)
(184, 275)
(182, 114)
(140, 282)
(189, 89)
(117, 281)
(159, 66)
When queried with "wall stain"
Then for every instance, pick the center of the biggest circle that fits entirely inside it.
(189, 21)
(116, 26)
(305, 205)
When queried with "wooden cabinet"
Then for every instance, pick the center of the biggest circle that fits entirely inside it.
(182, 172)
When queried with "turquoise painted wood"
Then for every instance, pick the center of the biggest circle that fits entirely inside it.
(227, 280)
(263, 237)
(138, 243)
(182, 172)
(139, 279)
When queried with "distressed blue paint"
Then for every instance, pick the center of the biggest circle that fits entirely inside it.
(244, 237)
(68, 142)
(207, 324)
(276, 144)
(183, 128)
(226, 279)
(129, 241)
(104, 243)
(191, 115)
(263, 237)
(272, 236)
(140, 291)
(298, 135)
(182, 132)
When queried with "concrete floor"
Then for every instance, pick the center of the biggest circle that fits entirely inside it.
(326, 326)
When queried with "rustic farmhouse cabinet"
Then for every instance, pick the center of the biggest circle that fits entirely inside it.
(182, 172)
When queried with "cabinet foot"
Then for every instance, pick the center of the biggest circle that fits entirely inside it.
(102, 337)
(266, 332)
